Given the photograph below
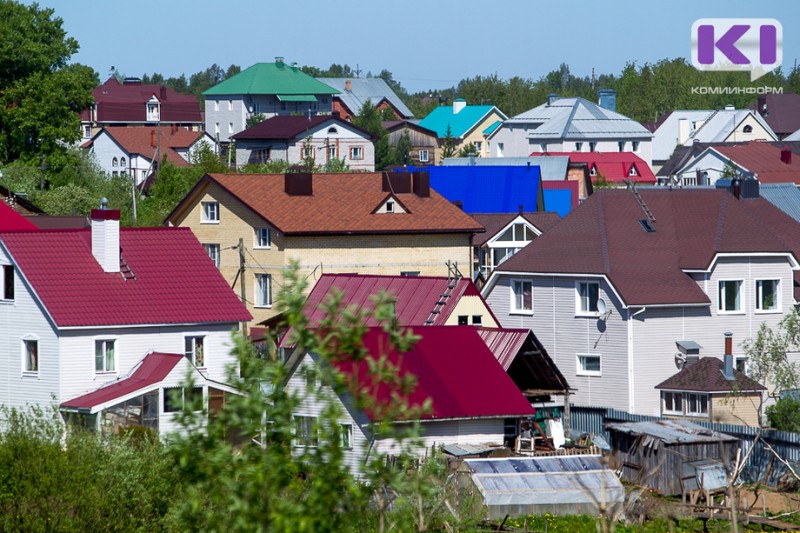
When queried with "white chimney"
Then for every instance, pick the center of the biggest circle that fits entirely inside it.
(683, 130)
(105, 237)
(458, 105)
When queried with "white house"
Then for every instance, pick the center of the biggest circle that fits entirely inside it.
(620, 290)
(474, 401)
(571, 125)
(135, 151)
(120, 316)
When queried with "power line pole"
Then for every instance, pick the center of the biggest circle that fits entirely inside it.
(242, 289)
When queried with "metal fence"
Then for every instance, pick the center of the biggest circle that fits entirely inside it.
(762, 465)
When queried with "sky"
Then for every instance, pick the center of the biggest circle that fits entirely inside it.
(426, 44)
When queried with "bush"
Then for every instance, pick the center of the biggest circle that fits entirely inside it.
(785, 414)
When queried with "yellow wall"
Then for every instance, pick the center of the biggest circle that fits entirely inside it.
(759, 133)
(475, 135)
(471, 305)
(735, 409)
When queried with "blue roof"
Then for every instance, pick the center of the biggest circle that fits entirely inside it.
(490, 129)
(490, 189)
(460, 123)
(558, 200)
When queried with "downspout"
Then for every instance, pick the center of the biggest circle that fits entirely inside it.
(631, 374)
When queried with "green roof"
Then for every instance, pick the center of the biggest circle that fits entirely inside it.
(460, 123)
(271, 78)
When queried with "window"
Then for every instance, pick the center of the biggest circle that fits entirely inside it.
(730, 296)
(308, 151)
(332, 131)
(305, 432)
(115, 174)
(621, 146)
(589, 365)
(672, 403)
(87, 131)
(347, 436)
(216, 105)
(311, 379)
(696, 404)
(263, 290)
(105, 356)
(578, 147)
(283, 106)
(593, 171)
(463, 320)
(177, 399)
(478, 146)
(263, 238)
(635, 145)
(767, 295)
(114, 162)
(632, 171)
(423, 156)
(30, 355)
(260, 155)
(390, 207)
(331, 151)
(592, 146)
(543, 146)
(230, 127)
(210, 212)
(123, 162)
(194, 350)
(588, 294)
(410, 273)
(230, 105)
(213, 252)
(152, 112)
(522, 296)
(748, 129)
(477, 320)
(216, 128)
(357, 152)
(8, 282)
(741, 364)
(500, 147)
(519, 232)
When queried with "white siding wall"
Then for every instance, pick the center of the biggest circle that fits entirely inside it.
(105, 150)
(654, 332)
(20, 318)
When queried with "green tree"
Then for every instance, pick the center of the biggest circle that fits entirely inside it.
(42, 94)
(448, 144)
(785, 414)
(402, 151)
(369, 119)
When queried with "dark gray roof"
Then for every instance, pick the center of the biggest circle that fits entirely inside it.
(672, 431)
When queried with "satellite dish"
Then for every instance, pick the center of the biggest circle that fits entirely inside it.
(601, 307)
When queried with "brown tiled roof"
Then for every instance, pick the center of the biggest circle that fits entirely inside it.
(494, 222)
(706, 376)
(764, 160)
(288, 127)
(604, 236)
(139, 140)
(341, 203)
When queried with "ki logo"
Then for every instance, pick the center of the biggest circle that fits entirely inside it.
(754, 45)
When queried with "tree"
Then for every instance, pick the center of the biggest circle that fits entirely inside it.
(369, 119)
(42, 95)
(448, 144)
(467, 149)
(785, 414)
(402, 151)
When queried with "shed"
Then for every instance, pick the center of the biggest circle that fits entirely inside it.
(559, 485)
(656, 453)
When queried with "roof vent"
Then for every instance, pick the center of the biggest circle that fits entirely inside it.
(279, 60)
(551, 98)
(646, 226)
(607, 99)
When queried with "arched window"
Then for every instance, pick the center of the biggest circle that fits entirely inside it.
(748, 129)
(114, 162)
(123, 162)
(332, 130)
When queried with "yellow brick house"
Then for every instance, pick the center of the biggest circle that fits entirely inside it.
(361, 223)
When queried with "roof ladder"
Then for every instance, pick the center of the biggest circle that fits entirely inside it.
(453, 275)
(125, 269)
(632, 187)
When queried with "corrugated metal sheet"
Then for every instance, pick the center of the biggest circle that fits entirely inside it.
(505, 344)
(553, 168)
(363, 90)
(784, 196)
(672, 431)
(562, 485)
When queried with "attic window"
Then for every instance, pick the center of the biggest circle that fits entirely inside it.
(332, 130)
(646, 226)
(748, 129)
(390, 207)
(593, 171)
(632, 171)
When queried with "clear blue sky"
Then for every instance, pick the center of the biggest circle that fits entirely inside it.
(426, 44)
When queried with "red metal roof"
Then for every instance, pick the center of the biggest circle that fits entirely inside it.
(505, 344)
(144, 140)
(603, 236)
(117, 102)
(153, 369)
(10, 220)
(176, 282)
(453, 367)
(765, 160)
(615, 166)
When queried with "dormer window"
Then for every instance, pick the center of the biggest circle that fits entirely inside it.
(578, 147)
(593, 171)
(153, 110)
(621, 146)
(592, 146)
(748, 129)
(390, 207)
(632, 171)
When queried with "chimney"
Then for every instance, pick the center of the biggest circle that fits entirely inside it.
(786, 155)
(458, 105)
(607, 99)
(279, 61)
(728, 357)
(730, 107)
(551, 98)
(105, 236)
(173, 129)
(348, 86)
(153, 141)
(683, 130)
(520, 210)
(298, 183)
(163, 93)
(422, 184)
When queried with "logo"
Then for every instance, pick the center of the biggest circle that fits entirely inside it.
(754, 45)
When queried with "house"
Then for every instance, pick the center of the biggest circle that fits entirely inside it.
(614, 288)
(423, 141)
(465, 124)
(610, 168)
(102, 322)
(571, 125)
(780, 111)
(551, 167)
(506, 234)
(367, 223)
(295, 139)
(136, 152)
(728, 125)
(473, 400)
(670, 456)
(267, 90)
(711, 390)
(353, 93)
(131, 103)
